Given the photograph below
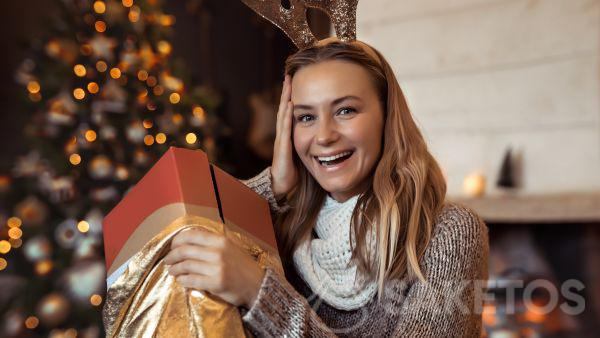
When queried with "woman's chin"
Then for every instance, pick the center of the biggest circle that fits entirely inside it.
(337, 192)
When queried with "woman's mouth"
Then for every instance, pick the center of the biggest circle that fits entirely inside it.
(334, 160)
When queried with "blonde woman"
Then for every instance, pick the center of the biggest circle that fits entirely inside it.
(369, 243)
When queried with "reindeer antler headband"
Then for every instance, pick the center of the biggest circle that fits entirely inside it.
(294, 23)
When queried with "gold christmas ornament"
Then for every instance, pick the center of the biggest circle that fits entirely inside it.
(293, 21)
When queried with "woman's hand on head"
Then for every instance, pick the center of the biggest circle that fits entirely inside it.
(283, 171)
(206, 261)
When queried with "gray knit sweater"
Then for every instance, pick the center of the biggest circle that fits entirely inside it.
(447, 305)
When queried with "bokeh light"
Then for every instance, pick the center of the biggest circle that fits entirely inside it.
(191, 138)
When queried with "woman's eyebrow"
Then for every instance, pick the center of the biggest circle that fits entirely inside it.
(344, 98)
(333, 103)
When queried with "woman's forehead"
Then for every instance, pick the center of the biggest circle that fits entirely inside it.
(329, 80)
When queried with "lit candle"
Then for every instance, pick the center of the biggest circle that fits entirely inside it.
(474, 185)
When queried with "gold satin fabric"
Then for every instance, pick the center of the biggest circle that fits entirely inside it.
(147, 302)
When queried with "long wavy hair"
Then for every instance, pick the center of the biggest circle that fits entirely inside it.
(406, 192)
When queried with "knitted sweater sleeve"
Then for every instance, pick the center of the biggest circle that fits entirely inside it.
(449, 303)
(445, 306)
(261, 184)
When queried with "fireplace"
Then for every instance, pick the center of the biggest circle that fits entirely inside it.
(544, 265)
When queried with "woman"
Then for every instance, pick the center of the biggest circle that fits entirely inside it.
(369, 244)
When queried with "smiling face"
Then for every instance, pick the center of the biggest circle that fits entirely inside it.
(338, 125)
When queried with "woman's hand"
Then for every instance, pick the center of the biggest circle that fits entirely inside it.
(283, 171)
(210, 262)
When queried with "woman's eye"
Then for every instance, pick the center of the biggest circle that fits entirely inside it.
(346, 111)
(304, 118)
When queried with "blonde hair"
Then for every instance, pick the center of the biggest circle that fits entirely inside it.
(404, 197)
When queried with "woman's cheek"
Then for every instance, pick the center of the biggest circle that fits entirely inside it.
(300, 142)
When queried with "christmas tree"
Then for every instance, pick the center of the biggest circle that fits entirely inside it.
(106, 100)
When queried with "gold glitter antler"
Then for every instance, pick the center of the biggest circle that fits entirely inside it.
(342, 14)
(292, 21)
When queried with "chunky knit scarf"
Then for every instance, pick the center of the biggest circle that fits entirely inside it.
(323, 262)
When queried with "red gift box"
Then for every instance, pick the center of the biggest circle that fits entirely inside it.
(181, 183)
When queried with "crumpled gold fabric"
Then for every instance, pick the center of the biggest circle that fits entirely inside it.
(148, 302)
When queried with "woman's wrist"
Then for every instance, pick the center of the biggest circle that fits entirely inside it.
(254, 288)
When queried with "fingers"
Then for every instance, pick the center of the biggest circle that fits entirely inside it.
(198, 237)
(283, 102)
(286, 132)
(191, 252)
(198, 282)
(191, 267)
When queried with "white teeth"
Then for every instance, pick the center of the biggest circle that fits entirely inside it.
(334, 157)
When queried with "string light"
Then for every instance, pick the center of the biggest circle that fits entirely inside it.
(158, 90)
(147, 123)
(14, 222)
(167, 20)
(101, 66)
(96, 300)
(148, 140)
(134, 14)
(115, 73)
(191, 138)
(122, 173)
(83, 226)
(75, 159)
(100, 26)
(15, 233)
(199, 113)
(161, 138)
(99, 7)
(15, 242)
(32, 322)
(79, 70)
(90, 135)
(86, 49)
(142, 75)
(177, 118)
(3, 263)
(93, 88)
(151, 81)
(43, 267)
(4, 246)
(164, 47)
(174, 98)
(78, 93)
(127, 3)
(33, 87)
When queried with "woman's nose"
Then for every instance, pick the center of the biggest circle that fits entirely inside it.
(326, 133)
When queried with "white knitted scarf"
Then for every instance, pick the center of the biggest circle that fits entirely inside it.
(323, 262)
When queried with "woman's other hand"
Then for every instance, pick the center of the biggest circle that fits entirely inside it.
(283, 171)
(206, 261)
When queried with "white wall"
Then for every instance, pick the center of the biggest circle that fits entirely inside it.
(480, 75)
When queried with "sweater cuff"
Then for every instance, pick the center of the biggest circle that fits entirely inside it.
(261, 184)
(275, 296)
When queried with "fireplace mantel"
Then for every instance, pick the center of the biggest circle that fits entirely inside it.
(580, 207)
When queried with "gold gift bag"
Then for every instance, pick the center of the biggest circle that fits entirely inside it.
(145, 301)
